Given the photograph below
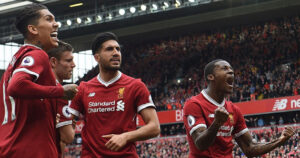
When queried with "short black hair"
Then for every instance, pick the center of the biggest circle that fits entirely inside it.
(58, 51)
(29, 15)
(101, 38)
(209, 68)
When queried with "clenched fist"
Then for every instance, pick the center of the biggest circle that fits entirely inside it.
(287, 133)
(221, 115)
(70, 90)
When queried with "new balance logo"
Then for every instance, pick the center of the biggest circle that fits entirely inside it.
(120, 105)
(92, 94)
(280, 104)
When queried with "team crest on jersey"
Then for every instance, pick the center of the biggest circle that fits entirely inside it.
(231, 118)
(191, 120)
(27, 61)
(121, 93)
(65, 111)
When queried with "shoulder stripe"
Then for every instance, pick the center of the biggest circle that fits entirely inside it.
(196, 127)
(241, 132)
(144, 106)
(27, 71)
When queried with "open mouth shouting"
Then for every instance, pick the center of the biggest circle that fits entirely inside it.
(53, 35)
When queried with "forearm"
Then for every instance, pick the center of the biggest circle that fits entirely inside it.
(67, 134)
(22, 86)
(148, 131)
(207, 137)
(256, 149)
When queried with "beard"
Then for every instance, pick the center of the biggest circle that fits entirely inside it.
(110, 68)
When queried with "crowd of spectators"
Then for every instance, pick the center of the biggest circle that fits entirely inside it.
(172, 142)
(265, 57)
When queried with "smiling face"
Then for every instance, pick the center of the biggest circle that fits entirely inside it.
(109, 56)
(223, 77)
(45, 30)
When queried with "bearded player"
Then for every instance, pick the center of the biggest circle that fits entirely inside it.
(110, 103)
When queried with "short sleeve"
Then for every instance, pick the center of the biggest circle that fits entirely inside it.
(240, 126)
(63, 111)
(77, 105)
(143, 97)
(193, 116)
(33, 63)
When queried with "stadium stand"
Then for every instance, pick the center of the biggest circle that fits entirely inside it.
(266, 61)
(265, 58)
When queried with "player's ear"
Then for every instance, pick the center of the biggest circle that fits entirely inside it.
(32, 29)
(97, 57)
(53, 62)
(210, 77)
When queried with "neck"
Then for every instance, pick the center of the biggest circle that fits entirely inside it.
(107, 75)
(57, 78)
(35, 43)
(217, 95)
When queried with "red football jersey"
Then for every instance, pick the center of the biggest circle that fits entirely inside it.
(109, 108)
(27, 126)
(199, 112)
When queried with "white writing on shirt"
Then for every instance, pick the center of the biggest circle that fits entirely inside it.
(95, 107)
(226, 131)
(94, 104)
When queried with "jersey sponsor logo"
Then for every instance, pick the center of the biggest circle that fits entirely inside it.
(280, 104)
(27, 61)
(106, 106)
(92, 94)
(226, 131)
(66, 112)
(120, 105)
(94, 104)
(191, 120)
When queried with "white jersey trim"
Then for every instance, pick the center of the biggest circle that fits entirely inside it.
(27, 71)
(26, 44)
(106, 84)
(241, 132)
(144, 106)
(65, 123)
(74, 112)
(196, 127)
(211, 99)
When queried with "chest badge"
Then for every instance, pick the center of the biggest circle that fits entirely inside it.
(121, 93)
(231, 118)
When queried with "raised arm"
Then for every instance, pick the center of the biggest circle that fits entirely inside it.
(252, 149)
(208, 135)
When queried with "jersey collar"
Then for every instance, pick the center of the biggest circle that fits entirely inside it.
(206, 96)
(26, 44)
(106, 84)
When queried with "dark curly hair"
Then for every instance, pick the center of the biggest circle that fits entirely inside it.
(29, 15)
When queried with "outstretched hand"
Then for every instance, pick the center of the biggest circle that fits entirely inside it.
(116, 142)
